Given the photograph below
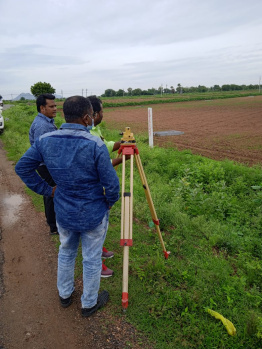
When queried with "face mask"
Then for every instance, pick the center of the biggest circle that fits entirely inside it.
(89, 128)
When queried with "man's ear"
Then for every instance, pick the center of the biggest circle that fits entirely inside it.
(86, 119)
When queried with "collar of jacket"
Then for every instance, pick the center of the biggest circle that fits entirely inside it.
(72, 126)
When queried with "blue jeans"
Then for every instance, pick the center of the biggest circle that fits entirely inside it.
(92, 244)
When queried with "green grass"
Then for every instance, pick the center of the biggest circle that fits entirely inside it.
(211, 220)
(171, 98)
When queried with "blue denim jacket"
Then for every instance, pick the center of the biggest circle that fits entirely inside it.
(79, 163)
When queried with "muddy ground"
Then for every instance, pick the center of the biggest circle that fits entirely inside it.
(219, 129)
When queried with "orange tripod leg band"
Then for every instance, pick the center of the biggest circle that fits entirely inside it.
(124, 300)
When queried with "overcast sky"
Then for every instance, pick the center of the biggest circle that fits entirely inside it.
(94, 45)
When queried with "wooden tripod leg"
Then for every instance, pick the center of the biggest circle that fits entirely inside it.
(118, 156)
(127, 226)
(150, 201)
(122, 196)
(125, 258)
(131, 198)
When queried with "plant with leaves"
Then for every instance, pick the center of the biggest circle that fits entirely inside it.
(41, 87)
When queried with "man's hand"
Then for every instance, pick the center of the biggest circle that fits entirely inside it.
(118, 161)
(116, 146)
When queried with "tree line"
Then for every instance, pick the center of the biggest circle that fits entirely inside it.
(179, 89)
(44, 87)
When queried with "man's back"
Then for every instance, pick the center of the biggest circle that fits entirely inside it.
(80, 165)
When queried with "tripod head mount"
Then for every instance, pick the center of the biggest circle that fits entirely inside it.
(128, 137)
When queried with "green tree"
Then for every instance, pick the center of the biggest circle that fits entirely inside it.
(217, 88)
(120, 92)
(137, 92)
(179, 88)
(110, 92)
(225, 87)
(202, 88)
(160, 90)
(129, 90)
(40, 88)
(167, 90)
(152, 91)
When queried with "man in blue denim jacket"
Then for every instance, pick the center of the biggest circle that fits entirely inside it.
(86, 188)
(43, 123)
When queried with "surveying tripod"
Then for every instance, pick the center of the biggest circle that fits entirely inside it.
(128, 148)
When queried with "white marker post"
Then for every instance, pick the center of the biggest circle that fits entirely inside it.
(150, 127)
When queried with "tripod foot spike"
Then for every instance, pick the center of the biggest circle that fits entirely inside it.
(166, 254)
(124, 300)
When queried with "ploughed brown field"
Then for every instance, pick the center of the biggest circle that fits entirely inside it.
(218, 129)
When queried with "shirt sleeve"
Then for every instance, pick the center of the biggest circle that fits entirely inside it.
(109, 145)
(26, 170)
(97, 132)
(107, 175)
(39, 131)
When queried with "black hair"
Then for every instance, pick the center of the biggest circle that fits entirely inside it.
(41, 100)
(96, 103)
(76, 107)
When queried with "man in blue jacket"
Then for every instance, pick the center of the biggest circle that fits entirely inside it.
(87, 186)
(43, 123)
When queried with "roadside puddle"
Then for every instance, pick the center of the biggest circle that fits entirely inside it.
(10, 208)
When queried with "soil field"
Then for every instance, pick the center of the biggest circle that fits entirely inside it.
(218, 129)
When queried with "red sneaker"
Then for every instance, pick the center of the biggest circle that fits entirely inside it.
(107, 254)
(106, 272)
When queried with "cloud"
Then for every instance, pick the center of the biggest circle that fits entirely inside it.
(25, 56)
(118, 43)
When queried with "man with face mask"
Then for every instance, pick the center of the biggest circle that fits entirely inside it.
(96, 131)
(87, 186)
(111, 147)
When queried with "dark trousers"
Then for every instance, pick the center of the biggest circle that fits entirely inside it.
(48, 201)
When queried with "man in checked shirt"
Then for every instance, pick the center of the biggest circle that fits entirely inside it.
(43, 123)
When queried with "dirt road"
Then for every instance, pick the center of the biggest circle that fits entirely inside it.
(30, 314)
